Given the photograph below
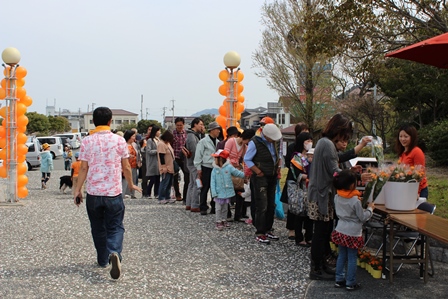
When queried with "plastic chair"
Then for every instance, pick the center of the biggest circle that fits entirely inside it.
(414, 237)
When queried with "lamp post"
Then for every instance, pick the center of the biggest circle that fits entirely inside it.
(11, 57)
(232, 60)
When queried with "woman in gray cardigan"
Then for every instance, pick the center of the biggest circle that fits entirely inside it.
(321, 193)
(152, 162)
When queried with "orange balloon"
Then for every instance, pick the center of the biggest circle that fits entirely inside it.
(2, 143)
(20, 82)
(22, 168)
(238, 76)
(21, 158)
(3, 171)
(221, 120)
(238, 116)
(20, 92)
(3, 111)
(224, 75)
(240, 98)
(21, 129)
(5, 82)
(22, 180)
(22, 149)
(2, 93)
(22, 120)
(224, 132)
(2, 132)
(22, 192)
(239, 88)
(223, 111)
(239, 107)
(6, 71)
(3, 155)
(27, 101)
(20, 109)
(223, 90)
(21, 72)
(21, 138)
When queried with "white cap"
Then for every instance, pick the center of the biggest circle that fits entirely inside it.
(272, 132)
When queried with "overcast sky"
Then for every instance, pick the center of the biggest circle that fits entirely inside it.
(110, 52)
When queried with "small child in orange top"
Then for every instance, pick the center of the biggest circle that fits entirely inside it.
(76, 166)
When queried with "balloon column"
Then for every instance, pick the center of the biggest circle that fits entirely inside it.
(232, 106)
(13, 127)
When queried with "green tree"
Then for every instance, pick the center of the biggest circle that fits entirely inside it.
(37, 123)
(59, 124)
(142, 125)
(207, 119)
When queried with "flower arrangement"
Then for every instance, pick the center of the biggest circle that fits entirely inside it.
(404, 173)
(376, 263)
(379, 179)
(364, 256)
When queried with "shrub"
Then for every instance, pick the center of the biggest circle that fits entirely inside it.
(435, 138)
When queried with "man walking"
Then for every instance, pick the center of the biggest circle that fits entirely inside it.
(180, 138)
(203, 161)
(193, 137)
(263, 158)
(104, 157)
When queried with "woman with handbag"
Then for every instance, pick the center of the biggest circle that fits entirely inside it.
(237, 148)
(296, 182)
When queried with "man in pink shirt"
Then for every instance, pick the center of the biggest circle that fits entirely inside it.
(104, 157)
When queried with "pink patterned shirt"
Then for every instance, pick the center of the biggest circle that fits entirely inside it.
(103, 152)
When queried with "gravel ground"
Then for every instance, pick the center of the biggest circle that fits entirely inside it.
(47, 252)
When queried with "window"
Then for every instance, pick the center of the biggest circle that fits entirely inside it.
(118, 121)
(126, 122)
(132, 121)
(91, 121)
(281, 119)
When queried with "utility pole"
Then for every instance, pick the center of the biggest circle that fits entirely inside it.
(163, 115)
(147, 112)
(141, 107)
(93, 106)
(172, 109)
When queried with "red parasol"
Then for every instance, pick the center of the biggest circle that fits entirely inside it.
(433, 51)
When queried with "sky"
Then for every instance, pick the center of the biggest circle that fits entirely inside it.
(111, 52)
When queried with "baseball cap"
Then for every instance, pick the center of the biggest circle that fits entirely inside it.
(267, 120)
(221, 153)
(77, 155)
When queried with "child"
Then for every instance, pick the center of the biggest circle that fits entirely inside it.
(348, 232)
(75, 171)
(247, 201)
(67, 155)
(222, 187)
(46, 164)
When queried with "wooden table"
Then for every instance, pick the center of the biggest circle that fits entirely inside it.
(425, 224)
(386, 214)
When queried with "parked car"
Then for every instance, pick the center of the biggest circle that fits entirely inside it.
(56, 145)
(84, 134)
(32, 156)
(65, 141)
(75, 139)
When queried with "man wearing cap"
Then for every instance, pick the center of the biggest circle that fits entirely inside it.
(104, 158)
(189, 150)
(203, 162)
(263, 158)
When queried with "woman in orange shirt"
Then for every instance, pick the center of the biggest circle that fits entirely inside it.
(129, 136)
(409, 153)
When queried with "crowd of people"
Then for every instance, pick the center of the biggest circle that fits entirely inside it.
(241, 170)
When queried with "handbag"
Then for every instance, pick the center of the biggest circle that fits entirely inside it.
(279, 212)
(296, 196)
(238, 183)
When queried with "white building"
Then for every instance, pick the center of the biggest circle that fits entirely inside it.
(119, 117)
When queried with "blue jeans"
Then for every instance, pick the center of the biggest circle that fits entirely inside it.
(106, 222)
(165, 186)
(346, 256)
(424, 192)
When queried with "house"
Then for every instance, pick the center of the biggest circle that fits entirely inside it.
(119, 117)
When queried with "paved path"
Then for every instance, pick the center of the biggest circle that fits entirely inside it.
(47, 252)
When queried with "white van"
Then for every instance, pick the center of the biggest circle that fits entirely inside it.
(75, 139)
(56, 146)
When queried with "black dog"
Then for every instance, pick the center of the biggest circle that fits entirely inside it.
(66, 181)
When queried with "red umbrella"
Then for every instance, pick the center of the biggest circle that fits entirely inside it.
(433, 51)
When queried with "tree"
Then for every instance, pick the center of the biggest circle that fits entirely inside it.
(142, 125)
(207, 119)
(58, 124)
(295, 56)
(37, 123)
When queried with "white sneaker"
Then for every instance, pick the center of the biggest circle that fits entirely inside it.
(115, 271)
(127, 196)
